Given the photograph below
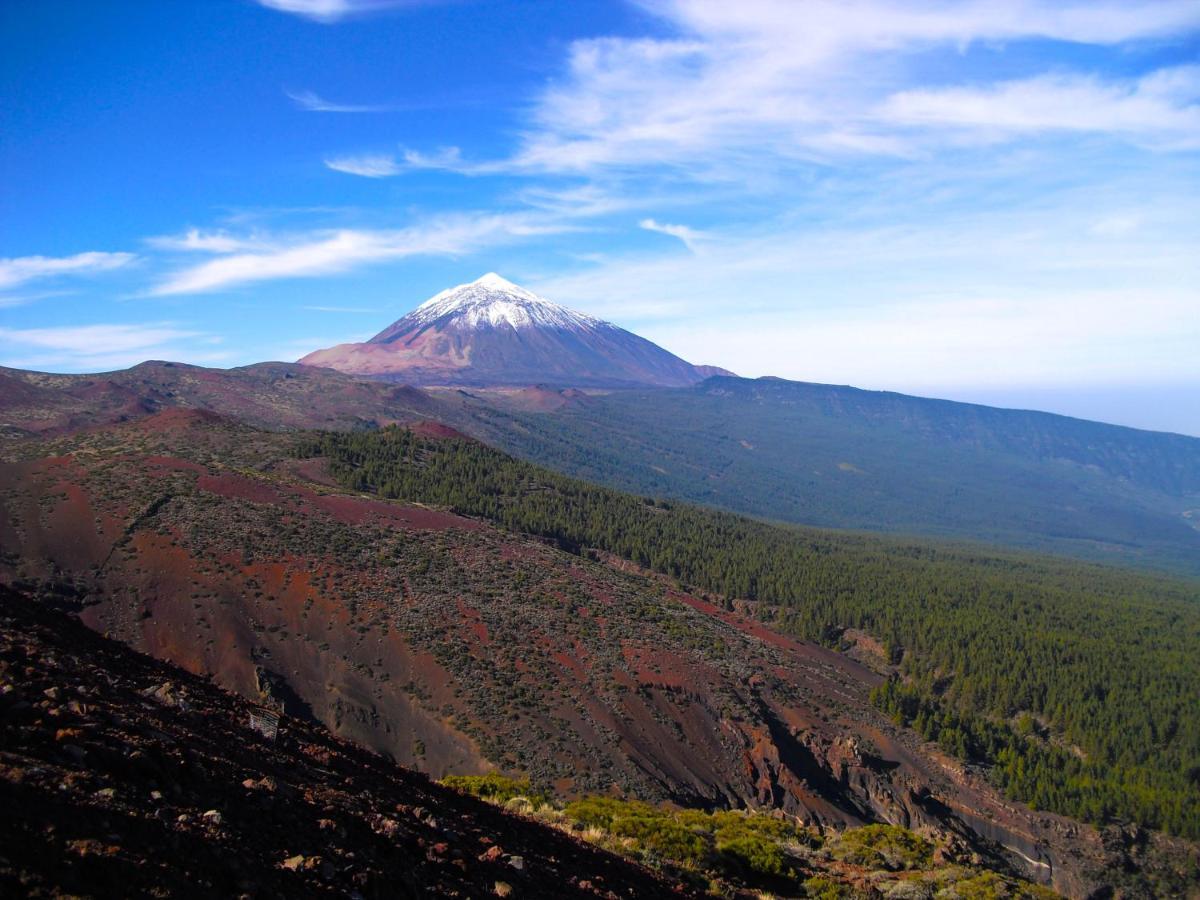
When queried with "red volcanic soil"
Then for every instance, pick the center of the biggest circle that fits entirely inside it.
(430, 429)
(346, 509)
(539, 399)
(359, 511)
(761, 632)
(179, 419)
(253, 489)
(124, 776)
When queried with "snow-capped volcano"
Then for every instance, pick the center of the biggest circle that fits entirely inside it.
(493, 332)
(495, 301)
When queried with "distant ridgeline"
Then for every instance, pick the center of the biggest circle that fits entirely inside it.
(840, 457)
(1077, 684)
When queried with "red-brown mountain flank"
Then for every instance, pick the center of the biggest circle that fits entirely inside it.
(271, 395)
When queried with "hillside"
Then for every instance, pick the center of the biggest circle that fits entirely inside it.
(229, 551)
(841, 457)
(123, 776)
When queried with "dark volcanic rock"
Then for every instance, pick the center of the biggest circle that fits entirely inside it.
(123, 776)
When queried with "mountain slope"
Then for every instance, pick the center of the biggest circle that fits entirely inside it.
(842, 457)
(492, 332)
(454, 646)
(123, 776)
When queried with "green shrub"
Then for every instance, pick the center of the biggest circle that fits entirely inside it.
(883, 847)
(754, 854)
(825, 889)
(990, 886)
(494, 787)
(654, 831)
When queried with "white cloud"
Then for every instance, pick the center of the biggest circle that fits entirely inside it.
(742, 85)
(329, 11)
(447, 158)
(321, 253)
(829, 27)
(385, 165)
(205, 242)
(689, 236)
(367, 165)
(310, 101)
(1161, 108)
(105, 346)
(23, 269)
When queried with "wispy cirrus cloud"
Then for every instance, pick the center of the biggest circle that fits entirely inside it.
(323, 252)
(205, 242)
(310, 101)
(105, 346)
(23, 269)
(8, 301)
(366, 165)
(688, 236)
(736, 89)
(385, 165)
(1161, 109)
(330, 11)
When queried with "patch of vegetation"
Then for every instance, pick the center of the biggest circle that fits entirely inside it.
(990, 886)
(731, 850)
(495, 787)
(883, 847)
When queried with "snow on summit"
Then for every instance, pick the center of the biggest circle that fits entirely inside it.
(494, 300)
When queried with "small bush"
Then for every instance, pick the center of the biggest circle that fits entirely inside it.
(752, 853)
(494, 787)
(825, 889)
(991, 886)
(883, 847)
(654, 831)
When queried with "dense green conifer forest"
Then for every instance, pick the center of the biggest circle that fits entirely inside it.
(1078, 685)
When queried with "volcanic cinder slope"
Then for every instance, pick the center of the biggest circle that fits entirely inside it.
(455, 647)
(492, 332)
(122, 776)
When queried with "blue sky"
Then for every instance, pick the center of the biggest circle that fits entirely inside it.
(993, 201)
